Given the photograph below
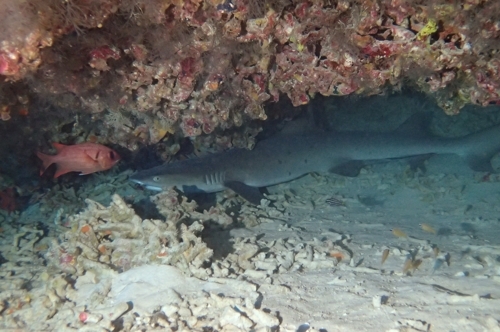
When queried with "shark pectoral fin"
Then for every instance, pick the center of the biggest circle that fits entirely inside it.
(478, 149)
(251, 194)
(480, 163)
(349, 168)
(418, 162)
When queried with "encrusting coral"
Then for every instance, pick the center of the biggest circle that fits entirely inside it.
(190, 67)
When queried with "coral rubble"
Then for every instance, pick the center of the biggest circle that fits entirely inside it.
(109, 269)
(111, 239)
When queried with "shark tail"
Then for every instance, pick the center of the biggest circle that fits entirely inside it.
(480, 149)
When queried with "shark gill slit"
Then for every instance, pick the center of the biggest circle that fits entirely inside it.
(214, 178)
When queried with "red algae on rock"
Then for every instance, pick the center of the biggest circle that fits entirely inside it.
(194, 66)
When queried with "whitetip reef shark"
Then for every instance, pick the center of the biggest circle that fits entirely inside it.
(290, 154)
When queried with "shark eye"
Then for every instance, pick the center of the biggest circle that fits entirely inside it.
(156, 179)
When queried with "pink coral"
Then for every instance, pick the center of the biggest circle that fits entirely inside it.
(100, 55)
(9, 64)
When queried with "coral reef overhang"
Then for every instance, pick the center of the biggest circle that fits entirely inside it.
(148, 69)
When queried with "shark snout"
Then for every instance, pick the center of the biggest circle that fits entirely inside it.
(144, 182)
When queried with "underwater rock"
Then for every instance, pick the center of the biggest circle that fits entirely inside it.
(106, 240)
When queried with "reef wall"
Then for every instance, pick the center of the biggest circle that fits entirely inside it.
(149, 68)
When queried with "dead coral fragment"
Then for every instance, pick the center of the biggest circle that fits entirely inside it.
(105, 238)
(176, 210)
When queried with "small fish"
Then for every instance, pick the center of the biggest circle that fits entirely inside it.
(416, 263)
(85, 158)
(385, 254)
(447, 258)
(437, 264)
(428, 228)
(334, 202)
(408, 265)
(411, 264)
(436, 251)
(398, 233)
(338, 255)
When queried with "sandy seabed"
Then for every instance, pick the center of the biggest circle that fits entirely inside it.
(417, 288)
(365, 295)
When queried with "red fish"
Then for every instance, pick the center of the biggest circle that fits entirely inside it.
(85, 158)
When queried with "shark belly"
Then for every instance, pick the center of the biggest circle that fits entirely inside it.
(270, 164)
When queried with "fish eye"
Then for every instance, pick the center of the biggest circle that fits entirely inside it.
(156, 179)
(112, 155)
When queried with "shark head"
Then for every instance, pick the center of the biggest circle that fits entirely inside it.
(160, 178)
(149, 181)
(184, 175)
